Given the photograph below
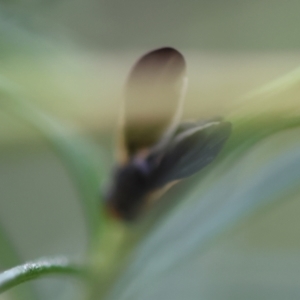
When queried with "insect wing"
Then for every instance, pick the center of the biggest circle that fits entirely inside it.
(190, 151)
(153, 99)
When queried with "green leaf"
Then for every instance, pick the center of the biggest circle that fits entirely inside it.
(238, 185)
(8, 254)
(255, 180)
(38, 269)
(9, 257)
(79, 155)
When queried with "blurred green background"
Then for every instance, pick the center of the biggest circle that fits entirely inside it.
(71, 58)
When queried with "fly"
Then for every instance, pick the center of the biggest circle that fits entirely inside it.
(155, 149)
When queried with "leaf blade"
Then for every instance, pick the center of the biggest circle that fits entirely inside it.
(33, 270)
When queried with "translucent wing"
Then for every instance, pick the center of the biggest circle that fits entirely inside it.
(153, 99)
(190, 151)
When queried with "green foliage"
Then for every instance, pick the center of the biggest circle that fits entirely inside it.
(32, 270)
(245, 179)
(78, 155)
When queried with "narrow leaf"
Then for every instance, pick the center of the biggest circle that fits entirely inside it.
(38, 269)
(78, 155)
(210, 210)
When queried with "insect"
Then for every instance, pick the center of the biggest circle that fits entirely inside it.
(155, 150)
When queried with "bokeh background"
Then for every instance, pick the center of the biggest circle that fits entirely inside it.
(71, 58)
